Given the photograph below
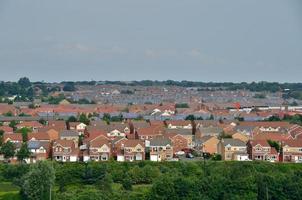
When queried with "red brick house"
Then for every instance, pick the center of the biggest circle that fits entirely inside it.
(129, 150)
(179, 142)
(65, 151)
(292, 151)
(147, 133)
(97, 148)
(261, 150)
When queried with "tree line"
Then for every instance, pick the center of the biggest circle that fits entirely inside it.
(167, 180)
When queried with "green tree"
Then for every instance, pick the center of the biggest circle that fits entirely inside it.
(8, 114)
(24, 82)
(23, 152)
(1, 137)
(127, 182)
(211, 117)
(84, 119)
(37, 183)
(216, 157)
(8, 150)
(106, 183)
(13, 124)
(106, 117)
(275, 145)
(72, 119)
(69, 87)
(24, 131)
(190, 117)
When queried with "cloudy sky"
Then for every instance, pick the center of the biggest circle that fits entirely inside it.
(200, 40)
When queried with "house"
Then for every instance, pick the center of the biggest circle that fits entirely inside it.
(210, 131)
(161, 149)
(295, 132)
(179, 142)
(7, 129)
(58, 125)
(245, 130)
(175, 124)
(232, 149)
(65, 151)
(34, 125)
(261, 150)
(78, 126)
(53, 134)
(129, 150)
(39, 151)
(186, 133)
(240, 136)
(14, 138)
(70, 135)
(147, 133)
(116, 133)
(292, 151)
(207, 144)
(98, 149)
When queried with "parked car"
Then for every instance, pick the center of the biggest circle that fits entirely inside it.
(189, 155)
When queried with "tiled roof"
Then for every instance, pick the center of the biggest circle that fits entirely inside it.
(233, 142)
(160, 141)
(69, 133)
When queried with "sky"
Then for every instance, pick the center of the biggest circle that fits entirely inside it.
(196, 40)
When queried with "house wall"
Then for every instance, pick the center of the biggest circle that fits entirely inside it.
(210, 146)
(240, 136)
(179, 143)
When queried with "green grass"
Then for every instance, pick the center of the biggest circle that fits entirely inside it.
(8, 191)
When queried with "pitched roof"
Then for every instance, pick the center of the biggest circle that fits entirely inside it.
(64, 143)
(233, 142)
(6, 129)
(34, 144)
(276, 136)
(30, 124)
(181, 131)
(92, 134)
(12, 136)
(160, 141)
(210, 130)
(99, 142)
(295, 130)
(204, 139)
(38, 136)
(293, 143)
(266, 124)
(151, 130)
(263, 143)
(132, 143)
(69, 133)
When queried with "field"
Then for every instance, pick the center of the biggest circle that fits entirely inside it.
(8, 191)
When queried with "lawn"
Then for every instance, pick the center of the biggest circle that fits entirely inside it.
(8, 191)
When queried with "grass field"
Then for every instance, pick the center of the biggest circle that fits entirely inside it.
(9, 191)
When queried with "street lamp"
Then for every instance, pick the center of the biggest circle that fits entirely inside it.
(204, 158)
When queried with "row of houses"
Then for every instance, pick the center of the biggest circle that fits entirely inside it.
(159, 141)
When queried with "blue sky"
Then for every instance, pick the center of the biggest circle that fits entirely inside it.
(200, 40)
